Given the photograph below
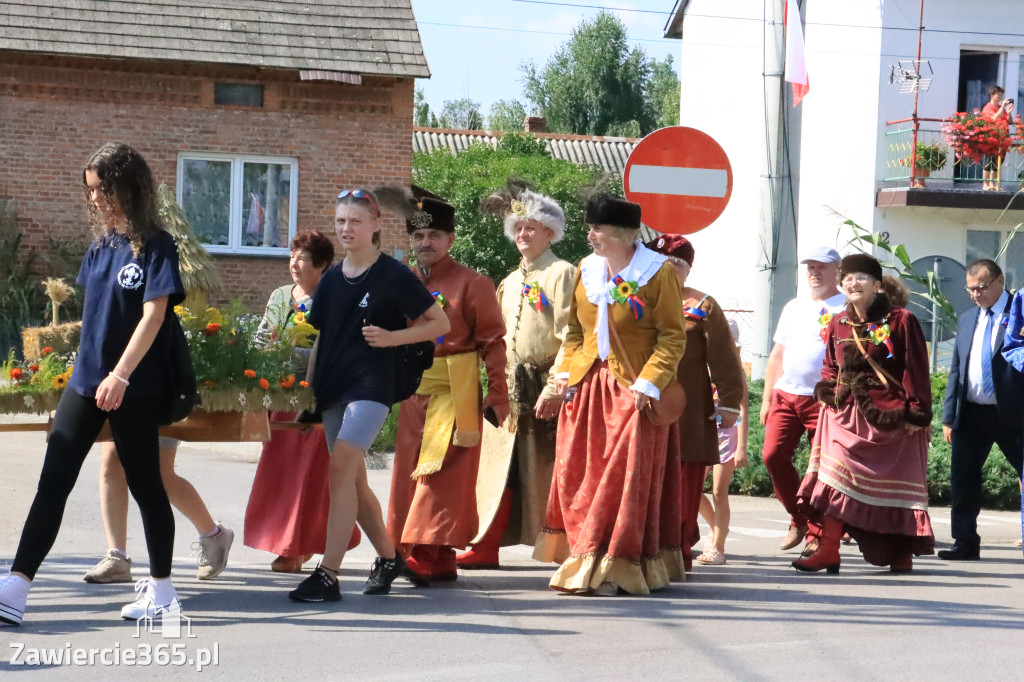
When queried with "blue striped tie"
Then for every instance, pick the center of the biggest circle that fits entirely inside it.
(988, 387)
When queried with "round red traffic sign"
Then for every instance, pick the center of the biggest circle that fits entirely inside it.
(681, 178)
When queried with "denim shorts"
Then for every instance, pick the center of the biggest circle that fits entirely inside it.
(166, 442)
(357, 423)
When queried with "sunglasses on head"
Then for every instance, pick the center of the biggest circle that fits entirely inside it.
(362, 195)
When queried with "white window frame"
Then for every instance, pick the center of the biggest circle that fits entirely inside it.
(234, 245)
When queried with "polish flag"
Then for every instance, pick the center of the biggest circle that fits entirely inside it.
(796, 67)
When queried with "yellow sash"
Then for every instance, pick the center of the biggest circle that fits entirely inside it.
(453, 384)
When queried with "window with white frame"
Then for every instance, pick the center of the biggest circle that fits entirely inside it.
(239, 203)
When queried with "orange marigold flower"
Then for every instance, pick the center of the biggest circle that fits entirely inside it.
(287, 382)
(250, 373)
(34, 368)
(16, 374)
(211, 329)
(264, 384)
(209, 383)
(48, 349)
(304, 384)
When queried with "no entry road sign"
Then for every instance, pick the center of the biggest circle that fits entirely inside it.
(681, 178)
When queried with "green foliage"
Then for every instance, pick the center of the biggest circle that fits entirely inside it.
(461, 114)
(468, 177)
(508, 115)
(932, 156)
(422, 116)
(595, 83)
(664, 93)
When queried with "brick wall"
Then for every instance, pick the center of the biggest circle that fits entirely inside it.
(55, 112)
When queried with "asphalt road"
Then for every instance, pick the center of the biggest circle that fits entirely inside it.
(753, 619)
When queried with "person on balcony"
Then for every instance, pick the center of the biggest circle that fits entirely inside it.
(998, 111)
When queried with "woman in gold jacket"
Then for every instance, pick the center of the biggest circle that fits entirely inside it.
(613, 518)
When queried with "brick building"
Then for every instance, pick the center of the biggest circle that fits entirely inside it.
(256, 113)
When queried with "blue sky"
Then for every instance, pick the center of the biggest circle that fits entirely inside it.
(474, 47)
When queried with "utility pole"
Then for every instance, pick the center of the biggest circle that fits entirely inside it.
(777, 267)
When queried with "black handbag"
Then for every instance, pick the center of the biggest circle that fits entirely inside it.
(413, 359)
(181, 395)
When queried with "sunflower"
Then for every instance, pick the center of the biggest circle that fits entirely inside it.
(60, 381)
(299, 317)
(625, 289)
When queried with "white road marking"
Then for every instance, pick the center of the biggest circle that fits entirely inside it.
(693, 182)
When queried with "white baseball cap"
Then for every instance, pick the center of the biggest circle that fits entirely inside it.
(820, 254)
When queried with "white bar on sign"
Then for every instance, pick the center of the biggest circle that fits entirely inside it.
(694, 182)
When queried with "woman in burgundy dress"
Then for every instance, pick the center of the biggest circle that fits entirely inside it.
(869, 460)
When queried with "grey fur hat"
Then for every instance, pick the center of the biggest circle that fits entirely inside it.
(517, 201)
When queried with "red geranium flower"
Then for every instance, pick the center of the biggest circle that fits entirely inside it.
(16, 374)
(211, 329)
(34, 368)
(48, 349)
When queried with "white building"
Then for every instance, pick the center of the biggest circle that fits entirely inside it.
(845, 158)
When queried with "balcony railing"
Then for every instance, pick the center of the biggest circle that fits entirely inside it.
(957, 174)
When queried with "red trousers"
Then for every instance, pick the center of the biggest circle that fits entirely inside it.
(789, 416)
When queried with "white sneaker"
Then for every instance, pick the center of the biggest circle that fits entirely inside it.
(13, 595)
(213, 553)
(146, 604)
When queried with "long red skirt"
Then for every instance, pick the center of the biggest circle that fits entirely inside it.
(290, 497)
(874, 481)
(613, 512)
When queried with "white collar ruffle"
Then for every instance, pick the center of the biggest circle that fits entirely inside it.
(596, 283)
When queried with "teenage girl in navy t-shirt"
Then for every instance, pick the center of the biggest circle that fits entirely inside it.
(131, 280)
(363, 308)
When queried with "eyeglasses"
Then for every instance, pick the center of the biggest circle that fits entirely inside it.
(362, 195)
(858, 279)
(980, 289)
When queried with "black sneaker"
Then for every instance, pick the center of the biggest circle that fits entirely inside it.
(318, 587)
(383, 573)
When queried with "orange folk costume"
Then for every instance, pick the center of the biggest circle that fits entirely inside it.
(433, 508)
(613, 513)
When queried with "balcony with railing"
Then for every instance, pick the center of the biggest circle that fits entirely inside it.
(946, 180)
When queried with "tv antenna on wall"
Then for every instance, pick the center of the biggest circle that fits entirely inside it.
(909, 75)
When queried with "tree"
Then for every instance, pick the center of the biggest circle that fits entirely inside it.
(595, 83)
(478, 170)
(422, 115)
(461, 114)
(664, 93)
(507, 114)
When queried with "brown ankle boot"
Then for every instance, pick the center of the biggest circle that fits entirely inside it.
(794, 537)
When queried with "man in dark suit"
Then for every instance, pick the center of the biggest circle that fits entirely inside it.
(984, 403)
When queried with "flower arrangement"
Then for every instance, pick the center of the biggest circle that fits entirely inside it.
(929, 157)
(972, 136)
(236, 368)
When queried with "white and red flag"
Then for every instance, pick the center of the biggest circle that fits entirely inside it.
(796, 67)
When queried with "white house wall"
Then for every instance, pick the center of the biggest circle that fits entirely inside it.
(722, 90)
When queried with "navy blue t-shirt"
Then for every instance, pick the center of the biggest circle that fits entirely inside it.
(347, 369)
(117, 282)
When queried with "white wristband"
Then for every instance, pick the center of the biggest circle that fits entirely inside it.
(121, 379)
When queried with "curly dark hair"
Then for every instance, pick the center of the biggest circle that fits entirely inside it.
(319, 247)
(126, 183)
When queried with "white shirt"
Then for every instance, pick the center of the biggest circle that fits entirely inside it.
(975, 392)
(800, 331)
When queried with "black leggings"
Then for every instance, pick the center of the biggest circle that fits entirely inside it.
(75, 427)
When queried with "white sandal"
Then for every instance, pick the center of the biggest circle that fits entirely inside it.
(711, 557)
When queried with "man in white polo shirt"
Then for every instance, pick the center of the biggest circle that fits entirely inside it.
(794, 367)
